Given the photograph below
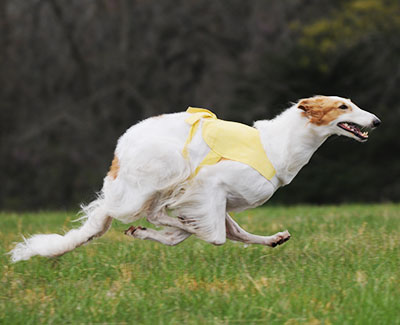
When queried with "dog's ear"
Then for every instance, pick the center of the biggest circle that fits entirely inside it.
(311, 104)
(304, 105)
(316, 108)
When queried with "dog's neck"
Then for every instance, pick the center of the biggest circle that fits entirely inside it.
(289, 141)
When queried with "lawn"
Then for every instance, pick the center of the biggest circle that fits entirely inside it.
(341, 266)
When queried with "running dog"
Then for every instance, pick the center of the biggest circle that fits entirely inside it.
(186, 172)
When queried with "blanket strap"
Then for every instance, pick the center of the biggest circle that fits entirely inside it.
(196, 115)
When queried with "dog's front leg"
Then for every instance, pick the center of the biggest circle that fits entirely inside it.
(236, 233)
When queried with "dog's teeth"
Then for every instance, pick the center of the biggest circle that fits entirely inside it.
(364, 134)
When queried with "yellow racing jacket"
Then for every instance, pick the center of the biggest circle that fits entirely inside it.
(228, 140)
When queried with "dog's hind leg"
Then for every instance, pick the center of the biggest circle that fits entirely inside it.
(167, 236)
(205, 220)
(236, 233)
(163, 219)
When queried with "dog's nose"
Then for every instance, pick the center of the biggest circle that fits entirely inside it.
(376, 123)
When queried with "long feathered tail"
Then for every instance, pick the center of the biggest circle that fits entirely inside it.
(96, 223)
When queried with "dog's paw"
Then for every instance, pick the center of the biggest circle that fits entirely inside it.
(280, 238)
(134, 231)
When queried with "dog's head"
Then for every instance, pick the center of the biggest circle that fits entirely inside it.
(335, 115)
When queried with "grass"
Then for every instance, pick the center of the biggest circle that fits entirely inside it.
(341, 266)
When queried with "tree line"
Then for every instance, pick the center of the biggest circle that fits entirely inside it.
(74, 75)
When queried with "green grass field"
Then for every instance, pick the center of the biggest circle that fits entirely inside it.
(341, 266)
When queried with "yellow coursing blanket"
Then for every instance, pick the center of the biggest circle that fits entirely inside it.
(228, 140)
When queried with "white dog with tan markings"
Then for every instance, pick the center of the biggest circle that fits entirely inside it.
(186, 172)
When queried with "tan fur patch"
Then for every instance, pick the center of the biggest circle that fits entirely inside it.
(322, 110)
(114, 168)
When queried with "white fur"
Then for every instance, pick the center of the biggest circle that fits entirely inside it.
(154, 178)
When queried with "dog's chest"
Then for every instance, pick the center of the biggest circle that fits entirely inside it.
(245, 187)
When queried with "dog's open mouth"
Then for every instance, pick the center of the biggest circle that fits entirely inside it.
(355, 129)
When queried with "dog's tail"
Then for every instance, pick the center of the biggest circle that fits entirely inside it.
(96, 223)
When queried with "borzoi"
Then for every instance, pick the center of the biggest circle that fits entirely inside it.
(166, 170)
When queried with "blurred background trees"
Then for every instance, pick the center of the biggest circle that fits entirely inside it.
(75, 74)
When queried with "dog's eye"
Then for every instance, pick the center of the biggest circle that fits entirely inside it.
(343, 106)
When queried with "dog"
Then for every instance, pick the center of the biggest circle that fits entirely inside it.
(161, 172)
